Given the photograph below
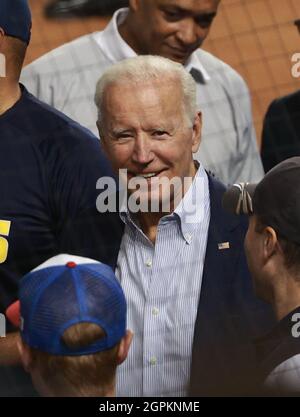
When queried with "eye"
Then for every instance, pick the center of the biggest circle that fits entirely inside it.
(159, 133)
(172, 16)
(122, 136)
(205, 21)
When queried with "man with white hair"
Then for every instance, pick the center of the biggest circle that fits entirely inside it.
(66, 77)
(178, 255)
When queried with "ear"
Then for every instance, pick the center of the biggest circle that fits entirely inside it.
(99, 127)
(2, 34)
(270, 242)
(24, 354)
(134, 5)
(197, 127)
(103, 142)
(124, 347)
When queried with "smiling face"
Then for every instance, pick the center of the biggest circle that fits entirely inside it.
(145, 129)
(171, 28)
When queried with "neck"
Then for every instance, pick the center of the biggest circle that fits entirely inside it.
(149, 223)
(10, 93)
(127, 30)
(286, 297)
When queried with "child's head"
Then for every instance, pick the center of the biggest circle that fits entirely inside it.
(73, 327)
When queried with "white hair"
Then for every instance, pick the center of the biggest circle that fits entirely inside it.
(145, 68)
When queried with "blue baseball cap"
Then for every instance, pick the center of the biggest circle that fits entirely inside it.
(68, 290)
(15, 19)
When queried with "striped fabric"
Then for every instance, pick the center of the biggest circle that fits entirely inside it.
(162, 284)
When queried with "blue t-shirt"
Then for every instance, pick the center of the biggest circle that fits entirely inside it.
(49, 166)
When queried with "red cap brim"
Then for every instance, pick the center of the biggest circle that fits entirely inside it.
(13, 313)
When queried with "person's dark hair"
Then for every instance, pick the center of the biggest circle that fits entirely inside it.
(291, 250)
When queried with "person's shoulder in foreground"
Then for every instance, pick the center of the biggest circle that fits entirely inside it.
(227, 295)
(273, 251)
(50, 164)
(278, 353)
(72, 318)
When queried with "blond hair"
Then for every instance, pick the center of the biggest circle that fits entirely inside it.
(86, 375)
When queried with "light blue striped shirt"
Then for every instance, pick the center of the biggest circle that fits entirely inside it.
(162, 284)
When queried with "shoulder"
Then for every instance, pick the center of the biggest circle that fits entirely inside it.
(64, 58)
(47, 125)
(219, 70)
(219, 214)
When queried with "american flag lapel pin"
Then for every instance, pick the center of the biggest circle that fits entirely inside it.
(224, 245)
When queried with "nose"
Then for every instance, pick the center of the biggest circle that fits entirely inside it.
(189, 33)
(142, 152)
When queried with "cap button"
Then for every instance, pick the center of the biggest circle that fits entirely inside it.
(71, 264)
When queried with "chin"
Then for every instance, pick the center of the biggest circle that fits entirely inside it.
(180, 60)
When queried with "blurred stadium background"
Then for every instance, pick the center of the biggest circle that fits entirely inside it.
(256, 37)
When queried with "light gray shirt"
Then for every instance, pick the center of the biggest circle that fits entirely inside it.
(162, 284)
(66, 79)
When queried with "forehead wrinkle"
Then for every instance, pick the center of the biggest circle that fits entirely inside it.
(151, 101)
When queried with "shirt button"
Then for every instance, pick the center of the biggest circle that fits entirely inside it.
(149, 263)
(153, 361)
(155, 311)
(188, 237)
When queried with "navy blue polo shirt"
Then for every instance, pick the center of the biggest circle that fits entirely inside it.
(49, 166)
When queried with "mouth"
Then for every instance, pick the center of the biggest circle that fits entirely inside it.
(179, 51)
(146, 175)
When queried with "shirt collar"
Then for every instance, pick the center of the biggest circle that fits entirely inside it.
(190, 211)
(111, 42)
(194, 64)
(116, 49)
